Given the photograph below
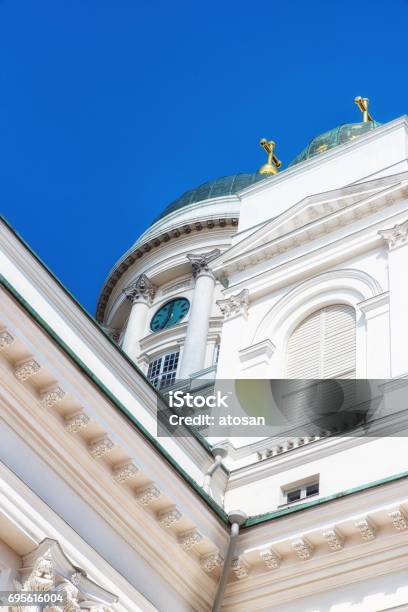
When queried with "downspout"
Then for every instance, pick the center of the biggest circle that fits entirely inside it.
(237, 518)
(219, 453)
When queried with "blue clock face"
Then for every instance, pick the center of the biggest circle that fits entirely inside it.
(170, 314)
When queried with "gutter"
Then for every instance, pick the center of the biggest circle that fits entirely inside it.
(219, 452)
(237, 518)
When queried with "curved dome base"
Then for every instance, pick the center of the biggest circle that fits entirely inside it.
(332, 138)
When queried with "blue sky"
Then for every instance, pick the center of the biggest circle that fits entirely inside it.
(109, 110)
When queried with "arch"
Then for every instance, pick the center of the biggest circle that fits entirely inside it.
(347, 286)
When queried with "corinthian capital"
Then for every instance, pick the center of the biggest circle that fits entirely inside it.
(199, 262)
(47, 568)
(395, 236)
(140, 289)
(236, 304)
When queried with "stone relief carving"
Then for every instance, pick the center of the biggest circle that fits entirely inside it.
(200, 262)
(271, 558)
(395, 236)
(367, 529)
(47, 568)
(211, 561)
(240, 568)
(26, 369)
(99, 448)
(399, 520)
(235, 305)
(169, 517)
(189, 539)
(51, 396)
(334, 539)
(140, 289)
(147, 495)
(5, 339)
(303, 549)
(76, 422)
(125, 471)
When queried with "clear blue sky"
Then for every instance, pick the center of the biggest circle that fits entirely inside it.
(111, 109)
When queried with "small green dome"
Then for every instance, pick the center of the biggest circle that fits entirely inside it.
(223, 186)
(332, 138)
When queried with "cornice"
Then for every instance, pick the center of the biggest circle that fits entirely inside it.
(320, 255)
(307, 230)
(113, 400)
(324, 547)
(144, 245)
(90, 463)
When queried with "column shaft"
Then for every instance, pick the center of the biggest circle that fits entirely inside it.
(135, 329)
(140, 293)
(195, 344)
(397, 242)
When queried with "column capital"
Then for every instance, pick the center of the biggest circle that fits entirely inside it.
(141, 289)
(47, 568)
(235, 304)
(200, 261)
(395, 236)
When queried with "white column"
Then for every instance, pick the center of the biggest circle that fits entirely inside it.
(140, 293)
(377, 358)
(195, 344)
(397, 241)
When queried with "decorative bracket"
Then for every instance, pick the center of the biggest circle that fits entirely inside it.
(395, 236)
(235, 305)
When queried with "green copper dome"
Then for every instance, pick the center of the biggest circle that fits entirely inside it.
(224, 186)
(328, 140)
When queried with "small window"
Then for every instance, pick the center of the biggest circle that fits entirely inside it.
(300, 491)
(162, 371)
(293, 495)
(312, 489)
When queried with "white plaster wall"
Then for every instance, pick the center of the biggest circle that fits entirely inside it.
(241, 332)
(10, 561)
(376, 595)
(380, 152)
(369, 461)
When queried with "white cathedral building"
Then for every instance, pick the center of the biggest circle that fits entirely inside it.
(296, 273)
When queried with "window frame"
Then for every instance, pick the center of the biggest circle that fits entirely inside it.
(165, 369)
(301, 486)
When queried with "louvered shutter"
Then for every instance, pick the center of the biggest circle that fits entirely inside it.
(324, 345)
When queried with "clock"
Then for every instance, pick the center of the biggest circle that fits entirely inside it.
(170, 314)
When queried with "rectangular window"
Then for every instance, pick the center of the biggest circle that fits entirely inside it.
(299, 491)
(293, 495)
(162, 371)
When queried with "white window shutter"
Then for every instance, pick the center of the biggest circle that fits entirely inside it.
(324, 345)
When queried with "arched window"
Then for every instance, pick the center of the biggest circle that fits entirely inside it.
(324, 345)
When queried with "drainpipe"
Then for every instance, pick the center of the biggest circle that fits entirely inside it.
(219, 453)
(236, 518)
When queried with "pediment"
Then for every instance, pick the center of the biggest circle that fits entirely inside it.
(312, 217)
